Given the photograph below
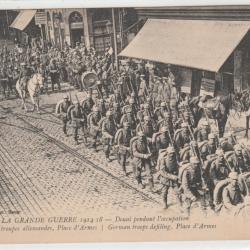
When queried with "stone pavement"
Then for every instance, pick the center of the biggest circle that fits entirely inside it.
(43, 172)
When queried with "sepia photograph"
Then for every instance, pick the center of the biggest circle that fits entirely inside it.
(138, 113)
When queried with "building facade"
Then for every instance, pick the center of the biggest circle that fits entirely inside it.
(235, 73)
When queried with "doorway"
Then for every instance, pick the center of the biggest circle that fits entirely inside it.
(76, 27)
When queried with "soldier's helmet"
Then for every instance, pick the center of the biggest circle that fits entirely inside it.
(211, 136)
(163, 104)
(129, 110)
(184, 125)
(131, 101)
(109, 113)
(170, 150)
(65, 97)
(95, 109)
(146, 118)
(233, 176)
(146, 106)
(219, 152)
(163, 129)
(237, 147)
(126, 125)
(141, 134)
(194, 160)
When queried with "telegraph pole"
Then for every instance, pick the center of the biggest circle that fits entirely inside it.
(115, 39)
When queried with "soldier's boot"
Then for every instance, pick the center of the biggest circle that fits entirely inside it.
(64, 130)
(140, 182)
(151, 185)
(165, 199)
(124, 168)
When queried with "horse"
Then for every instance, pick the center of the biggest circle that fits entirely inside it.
(213, 108)
(34, 85)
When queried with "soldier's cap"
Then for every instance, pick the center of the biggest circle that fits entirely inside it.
(131, 100)
(146, 105)
(219, 152)
(163, 129)
(65, 97)
(146, 118)
(194, 160)
(76, 102)
(233, 176)
(133, 94)
(184, 125)
(109, 113)
(148, 98)
(237, 147)
(116, 104)
(141, 134)
(170, 150)
(23, 64)
(95, 109)
(163, 104)
(211, 136)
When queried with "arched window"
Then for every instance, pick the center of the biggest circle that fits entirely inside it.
(75, 17)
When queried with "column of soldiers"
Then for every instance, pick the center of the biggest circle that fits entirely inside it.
(56, 66)
(144, 124)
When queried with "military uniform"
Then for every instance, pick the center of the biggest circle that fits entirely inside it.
(169, 174)
(123, 142)
(192, 185)
(63, 109)
(87, 105)
(94, 125)
(141, 160)
(78, 121)
(54, 74)
(231, 194)
(108, 132)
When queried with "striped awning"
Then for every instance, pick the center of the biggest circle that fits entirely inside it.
(23, 19)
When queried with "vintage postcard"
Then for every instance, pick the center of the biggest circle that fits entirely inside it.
(124, 124)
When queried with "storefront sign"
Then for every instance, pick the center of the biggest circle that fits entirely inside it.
(40, 18)
(207, 86)
(184, 79)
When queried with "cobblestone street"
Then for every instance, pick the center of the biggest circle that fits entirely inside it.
(43, 172)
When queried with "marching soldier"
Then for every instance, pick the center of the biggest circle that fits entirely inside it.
(159, 113)
(232, 195)
(202, 134)
(169, 175)
(163, 140)
(123, 142)
(94, 118)
(146, 127)
(237, 161)
(63, 108)
(130, 118)
(183, 136)
(142, 93)
(141, 160)
(78, 121)
(192, 185)
(108, 133)
(88, 104)
(117, 113)
(54, 74)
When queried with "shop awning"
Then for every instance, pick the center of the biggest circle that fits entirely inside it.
(23, 19)
(201, 44)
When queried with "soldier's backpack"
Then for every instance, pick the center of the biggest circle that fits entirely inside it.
(88, 118)
(57, 109)
(132, 141)
(217, 195)
(183, 152)
(182, 170)
(125, 108)
(177, 134)
(117, 134)
(69, 111)
(100, 123)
